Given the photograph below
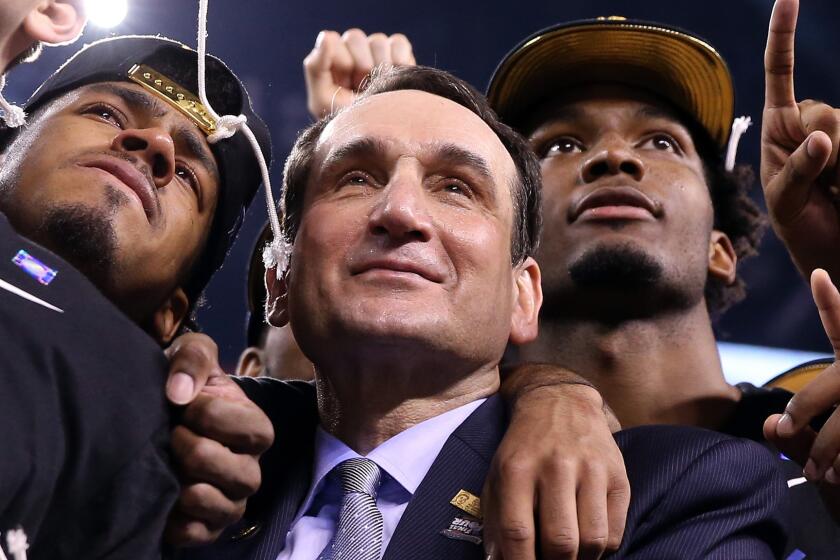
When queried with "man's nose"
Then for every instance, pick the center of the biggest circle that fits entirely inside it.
(402, 213)
(152, 145)
(613, 156)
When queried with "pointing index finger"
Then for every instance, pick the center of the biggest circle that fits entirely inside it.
(778, 56)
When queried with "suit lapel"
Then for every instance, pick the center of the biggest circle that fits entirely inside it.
(287, 472)
(462, 464)
(291, 493)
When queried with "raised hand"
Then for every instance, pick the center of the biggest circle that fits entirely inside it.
(818, 452)
(799, 147)
(338, 64)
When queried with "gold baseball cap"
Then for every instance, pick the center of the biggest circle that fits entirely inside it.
(669, 62)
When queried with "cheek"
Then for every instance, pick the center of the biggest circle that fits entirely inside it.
(478, 248)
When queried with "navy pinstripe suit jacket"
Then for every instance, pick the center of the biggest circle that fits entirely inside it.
(696, 493)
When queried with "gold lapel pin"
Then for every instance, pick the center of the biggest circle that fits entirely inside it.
(467, 502)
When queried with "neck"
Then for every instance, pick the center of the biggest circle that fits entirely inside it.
(656, 370)
(366, 402)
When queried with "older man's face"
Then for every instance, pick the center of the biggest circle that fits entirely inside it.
(406, 232)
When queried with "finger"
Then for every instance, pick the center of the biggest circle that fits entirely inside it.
(827, 299)
(327, 69)
(240, 425)
(204, 460)
(779, 55)
(819, 116)
(357, 44)
(401, 50)
(193, 360)
(817, 397)
(825, 448)
(380, 49)
(205, 503)
(832, 475)
(592, 513)
(618, 503)
(796, 447)
(558, 515)
(183, 531)
(509, 516)
(792, 187)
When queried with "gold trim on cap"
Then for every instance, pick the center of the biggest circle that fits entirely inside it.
(684, 69)
(175, 94)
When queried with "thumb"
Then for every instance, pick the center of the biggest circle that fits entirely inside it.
(790, 190)
(796, 446)
(193, 362)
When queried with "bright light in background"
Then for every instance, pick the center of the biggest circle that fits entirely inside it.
(106, 13)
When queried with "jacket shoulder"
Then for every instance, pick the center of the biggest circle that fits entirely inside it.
(701, 494)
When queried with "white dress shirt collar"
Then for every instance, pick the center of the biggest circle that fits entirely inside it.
(406, 457)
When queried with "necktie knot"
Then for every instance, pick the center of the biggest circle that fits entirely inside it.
(359, 475)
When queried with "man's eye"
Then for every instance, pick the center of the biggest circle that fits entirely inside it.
(663, 143)
(106, 113)
(456, 187)
(356, 179)
(563, 145)
(186, 175)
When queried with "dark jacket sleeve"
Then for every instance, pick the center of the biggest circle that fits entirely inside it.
(699, 494)
(84, 421)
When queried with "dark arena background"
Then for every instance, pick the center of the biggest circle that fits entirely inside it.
(265, 41)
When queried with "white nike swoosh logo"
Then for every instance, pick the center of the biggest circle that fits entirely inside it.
(26, 295)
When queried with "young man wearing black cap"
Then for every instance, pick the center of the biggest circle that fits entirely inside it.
(115, 174)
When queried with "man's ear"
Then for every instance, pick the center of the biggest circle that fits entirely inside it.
(722, 258)
(276, 304)
(251, 363)
(168, 318)
(528, 299)
(55, 21)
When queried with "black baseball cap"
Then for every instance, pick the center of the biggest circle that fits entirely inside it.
(147, 60)
(671, 63)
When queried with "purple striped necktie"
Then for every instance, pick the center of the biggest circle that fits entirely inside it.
(358, 535)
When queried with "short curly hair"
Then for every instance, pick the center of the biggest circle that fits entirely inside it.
(735, 213)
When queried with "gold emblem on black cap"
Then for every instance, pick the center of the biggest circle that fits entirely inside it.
(175, 94)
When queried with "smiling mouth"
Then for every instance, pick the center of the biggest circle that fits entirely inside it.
(397, 270)
(615, 204)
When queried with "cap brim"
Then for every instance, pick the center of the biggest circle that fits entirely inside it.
(670, 63)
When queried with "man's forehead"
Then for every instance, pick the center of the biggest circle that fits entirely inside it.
(582, 102)
(412, 121)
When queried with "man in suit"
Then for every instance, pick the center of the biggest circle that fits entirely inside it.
(413, 216)
(630, 261)
(117, 178)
